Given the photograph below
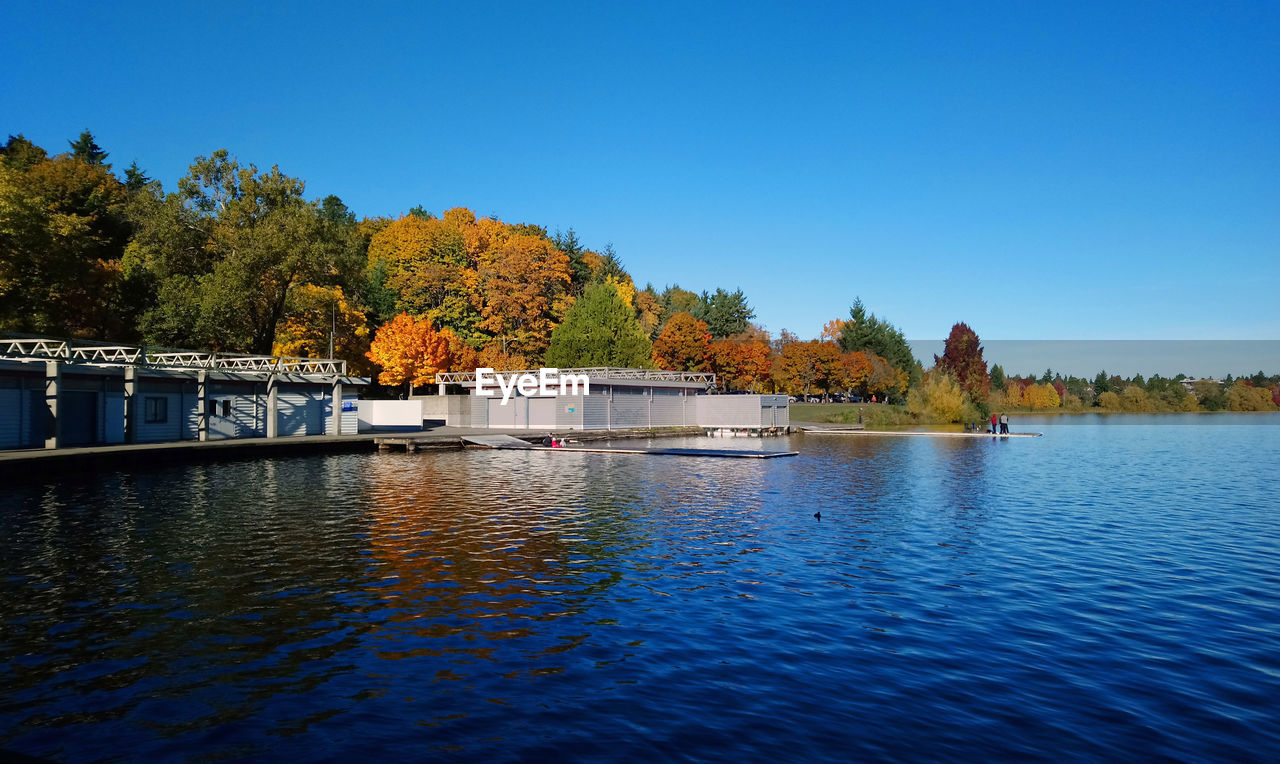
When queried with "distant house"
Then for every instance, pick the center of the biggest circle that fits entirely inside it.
(1189, 383)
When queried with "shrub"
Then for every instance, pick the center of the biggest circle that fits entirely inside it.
(938, 399)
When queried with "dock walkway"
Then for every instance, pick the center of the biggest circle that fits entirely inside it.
(39, 461)
(509, 443)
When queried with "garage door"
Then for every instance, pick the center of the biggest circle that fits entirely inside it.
(542, 413)
(503, 415)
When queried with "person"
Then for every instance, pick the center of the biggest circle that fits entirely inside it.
(548, 440)
(1004, 424)
(556, 443)
(995, 424)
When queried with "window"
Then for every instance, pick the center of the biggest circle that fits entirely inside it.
(226, 407)
(156, 410)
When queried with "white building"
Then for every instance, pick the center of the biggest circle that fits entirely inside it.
(622, 399)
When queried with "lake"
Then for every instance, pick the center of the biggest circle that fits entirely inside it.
(1110, 590)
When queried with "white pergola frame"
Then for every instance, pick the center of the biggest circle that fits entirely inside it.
(101, 354)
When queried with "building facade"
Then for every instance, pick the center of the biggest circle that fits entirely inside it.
(619, 399)
(58, 394)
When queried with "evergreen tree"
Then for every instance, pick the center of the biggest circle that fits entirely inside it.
(1101, 383)
(599, 330)
(86, 149)
(997, 377)
(134, 178)
(725, 313)
(864, 331)
(579, 271)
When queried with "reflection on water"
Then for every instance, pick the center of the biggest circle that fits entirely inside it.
(1100, 592)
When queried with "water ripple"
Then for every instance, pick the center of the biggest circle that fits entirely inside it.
(1103, 592)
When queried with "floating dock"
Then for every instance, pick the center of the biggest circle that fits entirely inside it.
(508, 443)
(920, 434)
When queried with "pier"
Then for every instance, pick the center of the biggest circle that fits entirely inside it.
(922, 434)
(509, 443)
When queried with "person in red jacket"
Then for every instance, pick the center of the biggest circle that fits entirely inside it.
(995, 424)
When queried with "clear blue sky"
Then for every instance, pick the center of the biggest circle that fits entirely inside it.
(1039, 170)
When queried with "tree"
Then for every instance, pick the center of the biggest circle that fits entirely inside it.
(676, 300)
(226, 250)
(940, 398)
(832, 329)
(1209, 394)
(997, 377)
(579, 271)
(806, 366)
(519, 280)
(423, 263)
(63, 230)
(599, 330)
(20, 154)
(864, 331)
(798, 367)
(725, 313)
(409, 351)
(1041, 396)
(316, 315)
(648, 311)
(134, 178)
(885, 379)
(739, 365)
(857, 370)
(1243, 396)
(1101, 383)
(87, 150)
(683, 344)
(962, 360)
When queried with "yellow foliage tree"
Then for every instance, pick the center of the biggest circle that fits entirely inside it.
(518, 282)
(1243, 397)
(1135, 399)
(313, 314)
(492, 356)
(409, 351)
(1041, 396)
(939, 399)
(832, 329)
(1110, 401)
(626, 289)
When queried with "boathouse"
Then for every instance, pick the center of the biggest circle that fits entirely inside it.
(60, 393)
(620, 398)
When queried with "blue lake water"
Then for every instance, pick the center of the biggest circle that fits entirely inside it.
(1110, 590)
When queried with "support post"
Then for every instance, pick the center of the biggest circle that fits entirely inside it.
(130, 404)
(53, 422)
(202, 405)
(272, 392)
(440, 389)
(336, 412)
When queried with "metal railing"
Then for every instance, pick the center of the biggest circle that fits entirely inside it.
(705, 378)
(102, 354)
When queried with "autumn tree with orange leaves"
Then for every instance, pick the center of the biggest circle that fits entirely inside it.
(739, 365)
(808, 366)
(683, 344)
(522, 280)
(410, 350)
